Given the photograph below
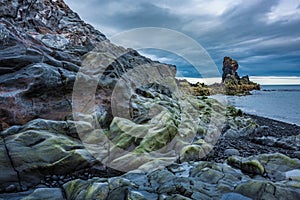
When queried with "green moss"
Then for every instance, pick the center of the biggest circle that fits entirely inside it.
(233, 112)
(251, 188)
(124, 141)
(234, 161)
(159, 140)
(194, 152)
(253, 167)
(97, 191)
(201, 130)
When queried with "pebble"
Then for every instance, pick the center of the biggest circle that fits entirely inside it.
(54, 177)
(263, 130)
(231, 152)
(24, 188)
(297, 154)
(234, 196)
(231, 134)
(10, 188)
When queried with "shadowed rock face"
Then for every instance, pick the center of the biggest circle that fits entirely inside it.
(42, 44)
(43, 31)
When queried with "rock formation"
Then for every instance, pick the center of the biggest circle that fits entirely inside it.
(229, 69)
(232, 83)
(45, 49)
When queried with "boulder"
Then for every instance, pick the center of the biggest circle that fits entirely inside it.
(40, 148)
(36, 91)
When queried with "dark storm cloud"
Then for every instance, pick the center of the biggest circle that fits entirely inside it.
(262, 35)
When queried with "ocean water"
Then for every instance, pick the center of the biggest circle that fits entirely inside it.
(280, 102)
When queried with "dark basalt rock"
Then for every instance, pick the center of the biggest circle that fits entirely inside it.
(233, 83)
(36, 91)
(42, 48)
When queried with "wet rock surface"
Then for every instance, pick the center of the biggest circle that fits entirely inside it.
(177, 146)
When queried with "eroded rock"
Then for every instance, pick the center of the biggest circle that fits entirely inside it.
(40, 148)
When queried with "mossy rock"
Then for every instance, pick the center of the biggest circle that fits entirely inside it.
(95, 188)
(248, 165)
(194, 152)
(253, 167)
(233, 112)
(201, 130)
(235, 161)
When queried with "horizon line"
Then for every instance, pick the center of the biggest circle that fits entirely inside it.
(262, 80)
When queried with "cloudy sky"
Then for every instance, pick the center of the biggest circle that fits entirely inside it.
(262, 35)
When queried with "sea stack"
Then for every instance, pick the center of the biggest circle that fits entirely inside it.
(233, 83)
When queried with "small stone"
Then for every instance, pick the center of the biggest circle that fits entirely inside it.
(54, 177)
(48, 176)
(231, 134)
(231, 152)
(24, 188)
(234, 196)
(10, 188)
(297, 154)
(262, 130)
(54, 184)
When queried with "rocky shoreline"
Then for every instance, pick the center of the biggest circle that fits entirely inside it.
(270, 136)
(55, 144)
(261, 164)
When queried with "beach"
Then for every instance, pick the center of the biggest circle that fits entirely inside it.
(271, 137)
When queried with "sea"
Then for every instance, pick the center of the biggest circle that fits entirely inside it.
(279, 102)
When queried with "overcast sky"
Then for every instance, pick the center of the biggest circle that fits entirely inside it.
(262, 35)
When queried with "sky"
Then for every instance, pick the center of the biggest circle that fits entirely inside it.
(262, 35)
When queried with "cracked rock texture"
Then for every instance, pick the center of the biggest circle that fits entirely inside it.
(44, 49)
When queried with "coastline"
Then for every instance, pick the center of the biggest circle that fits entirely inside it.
(271, 136)
(107, 133)
(275, 102)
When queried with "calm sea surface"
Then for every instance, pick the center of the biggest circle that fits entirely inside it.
(280, 102)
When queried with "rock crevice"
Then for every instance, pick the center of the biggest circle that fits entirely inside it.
(12, 164)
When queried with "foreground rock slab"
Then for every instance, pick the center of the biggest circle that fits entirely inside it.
(198, 180)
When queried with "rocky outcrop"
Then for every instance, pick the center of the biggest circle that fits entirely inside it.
(61, 139)
(42, 148)
(42, 44)
(232, 83)
(229, 69)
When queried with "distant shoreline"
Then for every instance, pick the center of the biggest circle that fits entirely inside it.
(276, 102)
(262, 80)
